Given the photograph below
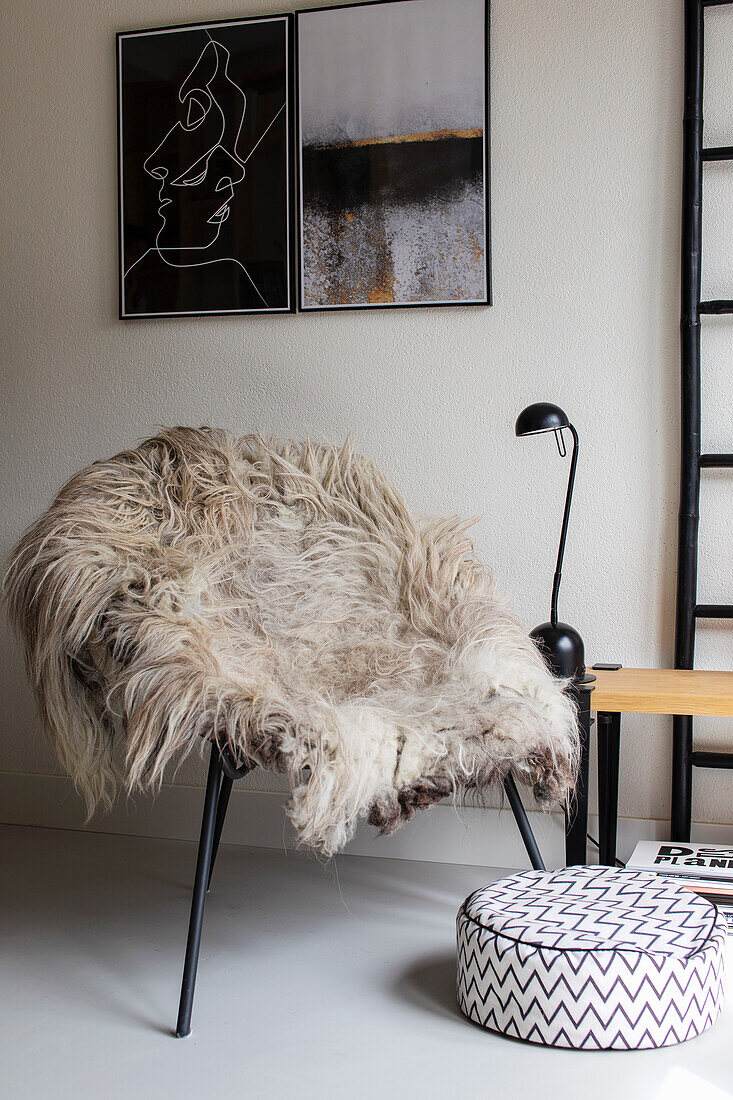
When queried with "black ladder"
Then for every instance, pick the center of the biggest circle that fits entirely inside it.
(692, 461)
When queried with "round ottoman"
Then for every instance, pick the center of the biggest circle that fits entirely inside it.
(591, 958)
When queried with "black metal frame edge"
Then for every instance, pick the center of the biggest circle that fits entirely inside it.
(716, 760)
(487, 176)
(289, 19)
(716, 306)
(292, 165)
(297, 241)
(118, 116)
(206, 23)
(688, 517)
(691, 461)
(487, 154)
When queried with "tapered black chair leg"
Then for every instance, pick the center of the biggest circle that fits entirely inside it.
(203, 866)
(520, 816)
(221, 812)
(576, 813)
(681, 777)
(609, 738)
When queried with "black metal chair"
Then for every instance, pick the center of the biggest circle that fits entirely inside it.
(221, 776)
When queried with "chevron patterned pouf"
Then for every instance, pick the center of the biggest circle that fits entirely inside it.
(591, 958)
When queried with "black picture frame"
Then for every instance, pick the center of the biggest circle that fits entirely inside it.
(367, 176)
(195, 102)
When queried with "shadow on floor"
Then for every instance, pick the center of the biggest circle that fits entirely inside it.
(430, 984)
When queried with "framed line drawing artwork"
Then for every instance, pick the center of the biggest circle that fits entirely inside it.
(205, 168)
(393, 154)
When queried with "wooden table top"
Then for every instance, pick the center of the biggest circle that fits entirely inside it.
(662, 691)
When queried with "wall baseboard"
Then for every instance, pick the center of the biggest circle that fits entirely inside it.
(469, 835)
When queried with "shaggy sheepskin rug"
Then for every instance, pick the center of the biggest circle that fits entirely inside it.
(281, 599)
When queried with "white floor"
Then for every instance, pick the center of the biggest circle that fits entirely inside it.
(314, 982)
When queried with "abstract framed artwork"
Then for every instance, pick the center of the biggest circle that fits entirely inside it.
(393, 151)
(206, 175)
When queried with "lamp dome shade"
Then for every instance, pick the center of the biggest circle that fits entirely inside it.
(540, 417)
(562, 647)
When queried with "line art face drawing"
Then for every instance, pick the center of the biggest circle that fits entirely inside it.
(205, 207)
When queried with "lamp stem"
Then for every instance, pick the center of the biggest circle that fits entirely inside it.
(564, 531)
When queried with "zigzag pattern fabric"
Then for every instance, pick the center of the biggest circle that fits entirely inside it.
(591, 958)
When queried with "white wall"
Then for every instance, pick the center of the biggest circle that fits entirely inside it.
(586, 98)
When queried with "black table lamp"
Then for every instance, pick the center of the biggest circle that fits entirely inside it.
(561, 645)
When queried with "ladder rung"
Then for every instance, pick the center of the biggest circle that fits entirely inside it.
(721, 152)
(722, 305)
(714, 611)
(712, 759)
(719, 462)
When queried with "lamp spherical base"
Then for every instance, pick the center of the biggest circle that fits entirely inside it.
(563, 649)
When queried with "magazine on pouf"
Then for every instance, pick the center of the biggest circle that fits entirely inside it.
(707, 869)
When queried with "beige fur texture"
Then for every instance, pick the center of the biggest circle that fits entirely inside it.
(281, 599)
